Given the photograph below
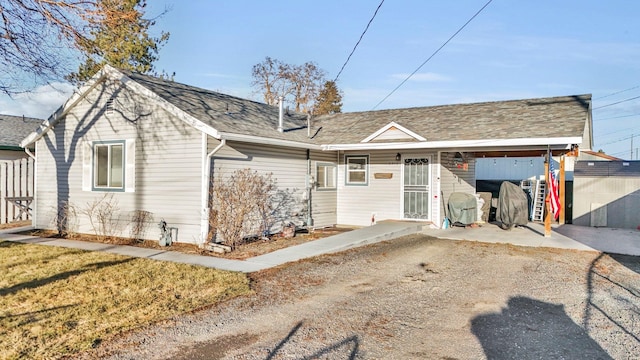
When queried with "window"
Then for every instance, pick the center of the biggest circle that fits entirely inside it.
(108, 165)
(326, 176)
(357, 169)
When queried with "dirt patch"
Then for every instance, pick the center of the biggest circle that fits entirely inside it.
(15, 224)
(242, 251)
(416, 298)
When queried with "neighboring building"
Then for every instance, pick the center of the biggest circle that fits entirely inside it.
(13, 129)
(607, 194)
(156, 145)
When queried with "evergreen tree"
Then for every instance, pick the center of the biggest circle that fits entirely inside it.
(329, 100)
(121, 39)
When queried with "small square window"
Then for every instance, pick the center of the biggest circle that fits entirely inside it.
(108, 166)
(357, 169)
(326, 176)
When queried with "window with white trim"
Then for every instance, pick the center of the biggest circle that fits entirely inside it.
(326, 176)
(108, 165)
(357, 169)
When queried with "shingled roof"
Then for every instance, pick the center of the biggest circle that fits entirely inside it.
(15, 128)
(226, 113)
(514, 119)
(556, 117)
(564, 119)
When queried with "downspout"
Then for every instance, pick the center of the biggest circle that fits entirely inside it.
(309, 188)
(35, 185)
(206, 180)
(31, 155)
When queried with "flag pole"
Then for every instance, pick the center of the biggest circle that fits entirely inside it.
(547, 202)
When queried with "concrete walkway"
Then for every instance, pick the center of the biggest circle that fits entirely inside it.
(615, 241)
(385, 230)
(609, 240)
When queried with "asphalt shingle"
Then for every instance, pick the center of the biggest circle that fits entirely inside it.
(563, 116)
(13, 129)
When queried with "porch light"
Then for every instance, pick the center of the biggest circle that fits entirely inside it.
(398, 157)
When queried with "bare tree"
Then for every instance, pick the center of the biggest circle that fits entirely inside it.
(297, 84)
(40, 40)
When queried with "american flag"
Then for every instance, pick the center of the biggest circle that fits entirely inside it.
(554, 200)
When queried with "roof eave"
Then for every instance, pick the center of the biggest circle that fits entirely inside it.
(63, 110)
(268, 141)
(563, 142)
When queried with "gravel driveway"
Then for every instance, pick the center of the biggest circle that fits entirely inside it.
(416, 298)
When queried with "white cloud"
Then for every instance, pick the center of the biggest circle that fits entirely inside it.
(39, 103)
(424, 77)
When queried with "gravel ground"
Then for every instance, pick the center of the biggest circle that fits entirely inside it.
(415, 298)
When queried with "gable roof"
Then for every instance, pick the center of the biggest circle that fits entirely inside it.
(559, 121)
(225, 113)
(15, 128)
(562, 117)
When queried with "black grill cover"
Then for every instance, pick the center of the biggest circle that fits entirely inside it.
(513, 207)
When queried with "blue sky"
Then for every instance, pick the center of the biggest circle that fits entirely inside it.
(512, 50)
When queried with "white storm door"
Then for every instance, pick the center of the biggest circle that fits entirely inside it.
(416, 189)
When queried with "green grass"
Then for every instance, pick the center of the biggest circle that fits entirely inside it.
(57, 301)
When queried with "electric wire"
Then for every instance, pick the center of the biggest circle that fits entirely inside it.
(617, 117)
(617, 92)
(617, 102)
(434, 54)
(358, 43)
(619, 140)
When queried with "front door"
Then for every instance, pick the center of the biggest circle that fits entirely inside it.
(416, 188)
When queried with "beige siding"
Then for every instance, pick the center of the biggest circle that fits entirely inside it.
(167, 166)
(454, 178)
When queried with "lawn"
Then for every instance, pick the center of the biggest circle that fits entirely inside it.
(57, 301)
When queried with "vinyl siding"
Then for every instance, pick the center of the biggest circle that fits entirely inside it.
(382, 198)
(619, 196)
(454, 179)
(167, 163)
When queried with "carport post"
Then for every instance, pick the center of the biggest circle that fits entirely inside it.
(547, 217)
(561, 218)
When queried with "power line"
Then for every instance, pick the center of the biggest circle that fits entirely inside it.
(617, 131)
(617, 92)
(434, 54)
(361, 36)
(617, 117)
(619, 140)
(616, 103)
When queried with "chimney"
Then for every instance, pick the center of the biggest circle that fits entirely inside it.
(280, 117)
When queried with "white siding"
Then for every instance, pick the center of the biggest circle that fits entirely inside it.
(167, 167)
(381, 197)
(288, 167)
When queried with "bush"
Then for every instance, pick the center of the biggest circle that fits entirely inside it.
(246, 204)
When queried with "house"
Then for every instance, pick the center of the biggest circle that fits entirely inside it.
(13, 129)
(155, 145)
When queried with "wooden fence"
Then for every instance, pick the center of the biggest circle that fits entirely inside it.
(16, 181)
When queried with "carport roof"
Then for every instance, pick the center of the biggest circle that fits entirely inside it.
(551, 117)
